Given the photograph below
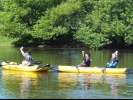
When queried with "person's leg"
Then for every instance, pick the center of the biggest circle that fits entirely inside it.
(24, 63)
(82, 64)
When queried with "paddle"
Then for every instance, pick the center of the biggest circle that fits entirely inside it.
(37, 62)
(77, 68)
(103, 70)
(6, 61)
(43, 65)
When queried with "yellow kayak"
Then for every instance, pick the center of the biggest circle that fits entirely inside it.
(20, 67)
(92, 70)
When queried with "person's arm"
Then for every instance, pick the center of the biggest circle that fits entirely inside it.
(116, 53)
(117, 58)
(22, 52)
(112, 63)
(83, 53)
(109, 63)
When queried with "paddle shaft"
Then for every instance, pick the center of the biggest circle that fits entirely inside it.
(37, 62)
(77, 68)
(43, 65)
(104, 69)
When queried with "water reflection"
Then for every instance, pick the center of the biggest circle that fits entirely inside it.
(27, 82)
(23, 84)
(67, 85)
(85, 81)
(90, 82)
(27, 85)
(115, 81)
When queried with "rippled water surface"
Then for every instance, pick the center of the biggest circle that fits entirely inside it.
(57, 85)
(51, 84)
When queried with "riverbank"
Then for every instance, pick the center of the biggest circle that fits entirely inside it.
(5, 41)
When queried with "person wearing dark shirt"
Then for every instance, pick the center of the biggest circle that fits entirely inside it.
(86, 60)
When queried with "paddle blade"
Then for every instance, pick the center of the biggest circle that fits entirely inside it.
(38, 62)
(6, 61)
(103, 70)
(77, 68)
(43, 65)
(54, 67)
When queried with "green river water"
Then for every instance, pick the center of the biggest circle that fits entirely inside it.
(57, 85)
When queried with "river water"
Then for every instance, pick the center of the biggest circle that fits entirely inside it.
(57, 85)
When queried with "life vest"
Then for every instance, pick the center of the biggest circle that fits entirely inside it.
(113, 62)
(88, 62)
(30, 59)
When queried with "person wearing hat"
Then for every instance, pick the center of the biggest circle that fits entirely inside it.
(86, 60)
(28, 60)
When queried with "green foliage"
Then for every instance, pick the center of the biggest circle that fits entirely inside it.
(107, 24)
(5, 41)
(56, 20)
(93, 40)
(95, 23)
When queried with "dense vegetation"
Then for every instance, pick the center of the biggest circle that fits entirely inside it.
(75, 23)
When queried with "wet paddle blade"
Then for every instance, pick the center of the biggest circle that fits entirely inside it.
(43, 65)
(103, 70)
(38, 62)
(77, 68)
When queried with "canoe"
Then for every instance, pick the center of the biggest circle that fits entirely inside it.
(75, 69)
(19, 67)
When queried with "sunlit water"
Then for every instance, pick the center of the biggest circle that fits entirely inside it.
(57, 85)
(51, 84)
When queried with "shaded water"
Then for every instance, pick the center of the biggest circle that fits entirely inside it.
(55, 85)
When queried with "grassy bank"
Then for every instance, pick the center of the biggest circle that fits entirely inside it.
(5, 41)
